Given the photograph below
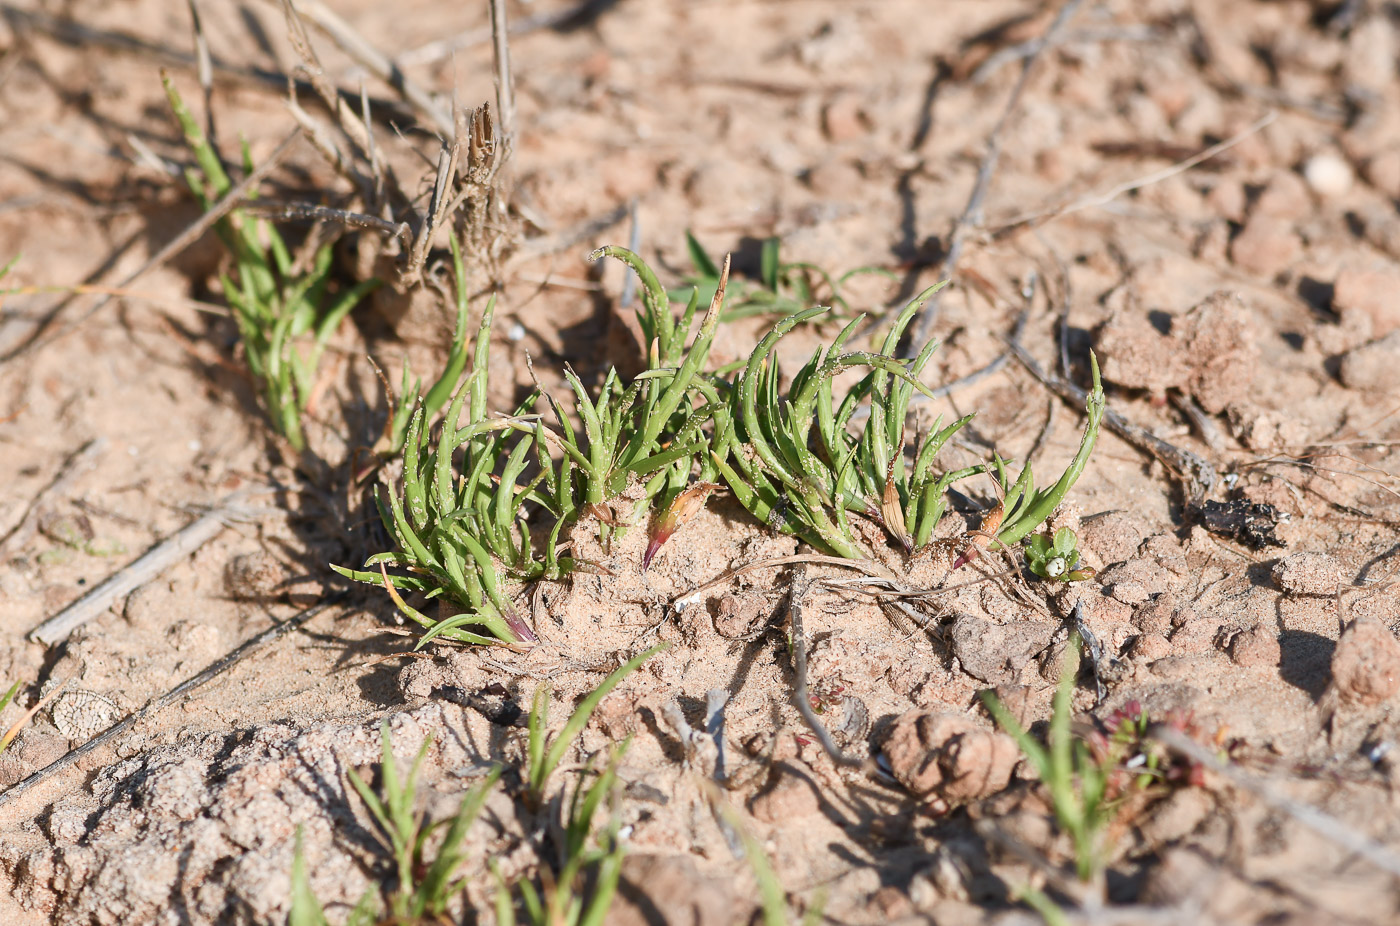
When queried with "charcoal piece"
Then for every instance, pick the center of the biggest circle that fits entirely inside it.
(1250, 523)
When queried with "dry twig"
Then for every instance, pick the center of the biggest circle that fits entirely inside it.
(1325, 825)
(376, 62)
(972, 213)
(1198, 476)
(797, 594)
(273, 633)
(151, 564)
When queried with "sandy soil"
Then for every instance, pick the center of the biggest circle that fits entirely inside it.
(1260, 285)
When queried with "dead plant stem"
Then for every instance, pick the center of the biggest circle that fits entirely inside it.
(972, 213)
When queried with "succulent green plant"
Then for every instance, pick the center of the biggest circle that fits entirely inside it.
(811, 486)
(799, 460)
(460, 536)
(764, 446)
(1056, 559)
(1024, 506)
(650, 430)
(286, 315)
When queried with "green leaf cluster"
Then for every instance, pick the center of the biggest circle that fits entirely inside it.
(783, 287)
(797, 456)
(579, 893)
(286, 314)
(799, 460)
(1056, 559)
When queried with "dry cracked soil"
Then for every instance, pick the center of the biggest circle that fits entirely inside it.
(1244, 304)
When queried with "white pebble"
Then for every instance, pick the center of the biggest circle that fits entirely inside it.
(516, 332)
(1328, 175)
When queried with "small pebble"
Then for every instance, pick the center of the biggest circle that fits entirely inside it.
(1328, 175)
(1256, 647)
(1307, 574)
(1365, 664)
(1364, 297)
(1266, 247)
(1374, 366)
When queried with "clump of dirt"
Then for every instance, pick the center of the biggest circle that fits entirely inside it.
(1210, 353)
(947, 758)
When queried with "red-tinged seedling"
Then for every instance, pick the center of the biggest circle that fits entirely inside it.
(682, 510)
(1124, 746)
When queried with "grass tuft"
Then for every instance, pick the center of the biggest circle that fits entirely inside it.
(426, 881)
(544, 757)
(798, 459)
(286, 312)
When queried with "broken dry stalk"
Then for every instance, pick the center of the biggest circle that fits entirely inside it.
(149, 565)
(797, 594)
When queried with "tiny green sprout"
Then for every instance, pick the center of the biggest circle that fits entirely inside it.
(1057, 559)
(782, 287)
(5, 700)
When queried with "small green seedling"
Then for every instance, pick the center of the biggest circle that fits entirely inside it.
(13, 731)
(561, 899)
(565, 898)
(395, 435)
(1057, 559)
(543, 756)
(286, 314)
(426, 881)
(782, 287)
(1078, 782)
